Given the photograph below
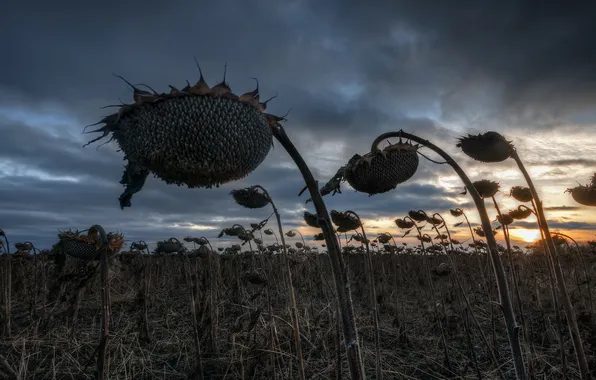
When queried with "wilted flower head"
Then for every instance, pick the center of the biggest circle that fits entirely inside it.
(520, 213)
(251, 197)
(405, 224)
(311, 219)
(319, 236)
(424, 238)
(456, 212)
(384, 238)
(299, 245)
(198, 136)
(419, 216)
(290, 234)
(505, 220)
(486, 188)
(268, 231)
(584, 195)
(345, 220)
(434, 220)
(521, 193)
(486, 147)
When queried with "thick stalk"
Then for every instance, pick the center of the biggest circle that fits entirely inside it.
(504, 296)
(340, 270)
(559, 278)
(105, 298)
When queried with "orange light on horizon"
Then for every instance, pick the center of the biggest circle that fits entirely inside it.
(526, 235)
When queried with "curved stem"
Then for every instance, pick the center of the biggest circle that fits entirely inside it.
(560, 279)
(504, 295)
(340, 269)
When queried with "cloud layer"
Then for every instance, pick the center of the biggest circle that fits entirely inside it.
(348, 71)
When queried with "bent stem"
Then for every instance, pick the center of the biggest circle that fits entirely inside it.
(340, 269)
(504, 296)
(559, 278)
(297, 340)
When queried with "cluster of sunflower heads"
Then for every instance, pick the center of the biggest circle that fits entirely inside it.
(251, 197)
(486, 147)
(585, 195)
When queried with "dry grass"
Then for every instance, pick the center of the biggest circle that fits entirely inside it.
(62, 343)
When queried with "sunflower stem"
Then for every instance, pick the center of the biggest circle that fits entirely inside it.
(559, 278)
(501, 279)
(340, 272)
(296, 321)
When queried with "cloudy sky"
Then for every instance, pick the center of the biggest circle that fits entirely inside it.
(348, 71)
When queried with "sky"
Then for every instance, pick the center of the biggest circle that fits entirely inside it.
(348, 70)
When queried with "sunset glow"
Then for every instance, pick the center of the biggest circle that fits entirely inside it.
(526, 235)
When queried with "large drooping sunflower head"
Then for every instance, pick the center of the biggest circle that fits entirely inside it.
(584, 195)
(197, 136)
(381, 171)
(486, 147)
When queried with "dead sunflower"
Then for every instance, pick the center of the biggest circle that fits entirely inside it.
(505, 220)
(311, 219)
(198, 136)
(486, 147)
(344, 220)
(381, 171)
(419, 216)
(486, 188)
(584, 195)
(521, 193)
(250, 197)
(520, 213)
(87, 247)
(405, 224)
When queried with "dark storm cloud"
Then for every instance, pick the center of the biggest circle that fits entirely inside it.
(349, 71)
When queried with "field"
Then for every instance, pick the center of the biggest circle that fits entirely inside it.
(435, 322)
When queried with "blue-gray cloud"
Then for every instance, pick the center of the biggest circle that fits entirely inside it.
(348, 70)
